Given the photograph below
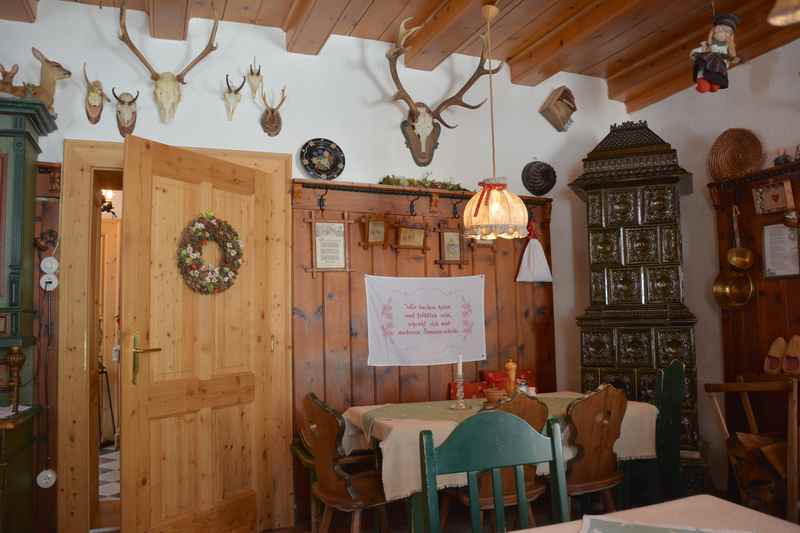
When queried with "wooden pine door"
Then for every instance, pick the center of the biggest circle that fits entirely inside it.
(195, 415)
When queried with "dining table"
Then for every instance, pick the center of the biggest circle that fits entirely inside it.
(703, 512)
(395, 429)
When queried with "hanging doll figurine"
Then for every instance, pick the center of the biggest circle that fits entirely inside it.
(716, 55)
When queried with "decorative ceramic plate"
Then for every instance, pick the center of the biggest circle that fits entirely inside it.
(322, 158)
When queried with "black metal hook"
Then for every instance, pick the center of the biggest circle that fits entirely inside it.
(321, 202)
(455, 208)
(412, 207)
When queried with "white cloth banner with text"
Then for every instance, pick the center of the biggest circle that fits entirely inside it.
(425, 321)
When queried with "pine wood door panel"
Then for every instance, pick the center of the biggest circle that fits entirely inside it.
(190, 438)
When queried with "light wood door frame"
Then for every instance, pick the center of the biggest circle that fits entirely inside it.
(77, 376)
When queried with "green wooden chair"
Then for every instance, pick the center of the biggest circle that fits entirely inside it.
(493, 440)
(669, 398)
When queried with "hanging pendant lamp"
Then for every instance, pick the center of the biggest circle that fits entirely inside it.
(494, 211)
(784, 12)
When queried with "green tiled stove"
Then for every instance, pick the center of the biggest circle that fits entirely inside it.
(636, 322)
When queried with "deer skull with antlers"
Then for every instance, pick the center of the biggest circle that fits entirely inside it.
(95, 98)
(423, 125)
(271, 121)
(167, 84)
(232, 96)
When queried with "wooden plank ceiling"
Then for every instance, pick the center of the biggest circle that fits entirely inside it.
(640, 46)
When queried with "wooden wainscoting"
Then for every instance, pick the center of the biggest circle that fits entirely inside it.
(329, 313)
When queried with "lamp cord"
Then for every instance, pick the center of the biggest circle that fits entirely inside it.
(491, 91)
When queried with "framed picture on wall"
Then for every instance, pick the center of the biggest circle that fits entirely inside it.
(781, 251)
(771, 197)
(410, 238)
(374, 232)
(330, 245)
(450, 247)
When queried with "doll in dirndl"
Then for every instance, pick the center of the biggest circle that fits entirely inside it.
(714, 57)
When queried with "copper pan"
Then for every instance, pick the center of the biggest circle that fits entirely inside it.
(733, 288)
(738, 256)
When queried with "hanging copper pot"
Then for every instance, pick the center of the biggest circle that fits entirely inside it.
(733, 289)
(738, 256)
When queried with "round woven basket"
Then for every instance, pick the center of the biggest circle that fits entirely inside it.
(735, 153)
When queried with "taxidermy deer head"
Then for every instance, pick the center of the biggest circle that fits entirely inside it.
(8, 76)
(167, 84)
(422, 126)
(95, 97)
(232, 96)
(126, 112)
(254, 79)
(50, 73)
(271, 121)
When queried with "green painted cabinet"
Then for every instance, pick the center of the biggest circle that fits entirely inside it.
(22, 123)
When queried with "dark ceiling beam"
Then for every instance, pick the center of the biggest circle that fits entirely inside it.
(424, 50)
(678, 77)
(18, 10)
(629, 81)
(534, 64)
(310, 22)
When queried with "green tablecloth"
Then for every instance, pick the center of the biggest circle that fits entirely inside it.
(556, 406)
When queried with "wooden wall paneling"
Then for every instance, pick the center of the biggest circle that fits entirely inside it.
(418, 10)
(362, 375)
(336, 318)
(274, 12)
(424, 52)
(355, 13)
(525, 315)
(168, 19)
(509, 31)
(307, 318)
(109, 292)
(506, 270)
(439, 376)
(387, 378)
(482, 262)
(414, 380)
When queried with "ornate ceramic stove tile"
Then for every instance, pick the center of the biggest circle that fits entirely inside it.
(689, 392)
(634, 347)
(594, 206)
(646, 386)
(659, 204)
(670, 244)
(641, 245)
(604, 247)
(597, 347)
(590, 379)
(663, 285)
(625, 286)
(622, 207)
(598, 286)
(675, 343)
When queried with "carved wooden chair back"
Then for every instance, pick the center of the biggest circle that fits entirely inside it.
(595, 423)
(492, 440)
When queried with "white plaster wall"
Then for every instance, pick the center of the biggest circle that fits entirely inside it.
(763, 97)
(342, 94)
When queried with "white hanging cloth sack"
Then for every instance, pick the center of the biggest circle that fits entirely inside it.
(534, 265)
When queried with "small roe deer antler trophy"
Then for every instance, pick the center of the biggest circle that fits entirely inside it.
(232, 96)
(254, 79)
(422, 126)
(167, 89)
(271, 121)
(126, 112)
(95, 97)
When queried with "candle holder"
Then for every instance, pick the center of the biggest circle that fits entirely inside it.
(460, 405)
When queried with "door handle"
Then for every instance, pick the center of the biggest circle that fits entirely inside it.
(136, 352)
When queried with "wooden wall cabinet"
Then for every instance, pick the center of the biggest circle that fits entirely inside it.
(636, 322)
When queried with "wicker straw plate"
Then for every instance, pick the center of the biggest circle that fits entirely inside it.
(735, 153)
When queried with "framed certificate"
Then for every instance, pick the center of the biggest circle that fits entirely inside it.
(450, 247)
(781, 252)
(330, 245)
(410, 238)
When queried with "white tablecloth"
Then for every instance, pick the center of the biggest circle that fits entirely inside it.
(399, 442)
(696, 511)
